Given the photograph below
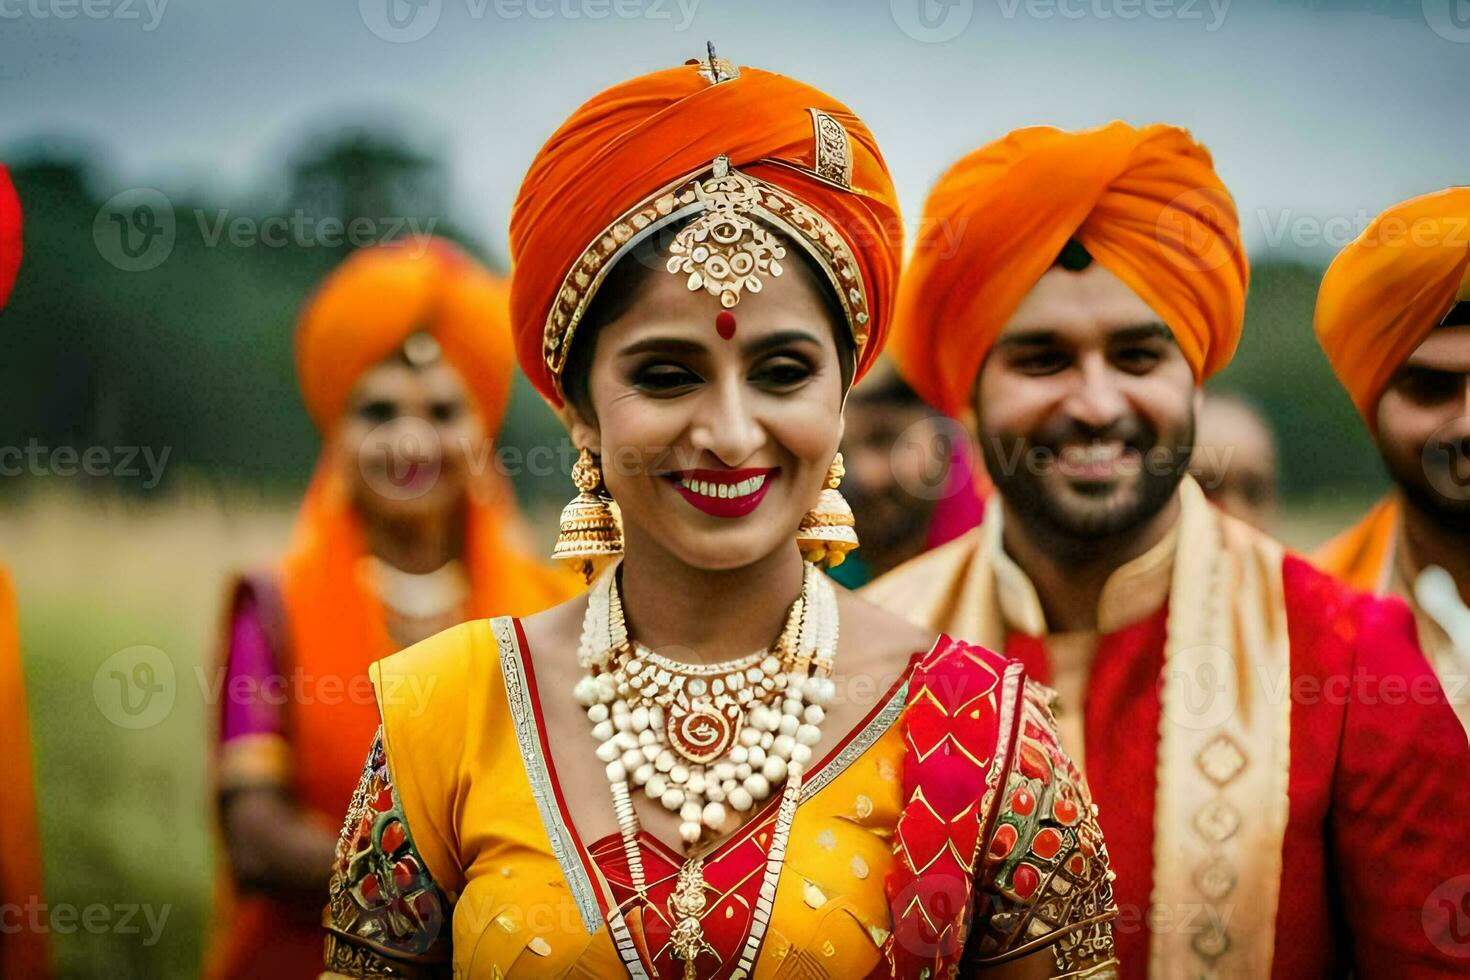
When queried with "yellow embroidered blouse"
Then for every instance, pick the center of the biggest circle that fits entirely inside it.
(457, 851)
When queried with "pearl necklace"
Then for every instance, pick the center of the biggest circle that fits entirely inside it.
(417, 595)
(698, 737)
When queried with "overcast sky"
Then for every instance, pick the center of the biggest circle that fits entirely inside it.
(1313, 110)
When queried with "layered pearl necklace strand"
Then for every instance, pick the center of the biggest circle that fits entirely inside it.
(705, 739)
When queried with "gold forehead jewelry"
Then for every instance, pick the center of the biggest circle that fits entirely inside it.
(724, 250)
(421, 349)
(730, 246)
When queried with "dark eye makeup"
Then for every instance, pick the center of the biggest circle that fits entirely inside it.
(779, 371)
(445, 411)
(785, 370)
(377, 411)
(662, 377)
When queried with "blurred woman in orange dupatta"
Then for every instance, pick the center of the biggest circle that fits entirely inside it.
(22, 950)
(405, 359)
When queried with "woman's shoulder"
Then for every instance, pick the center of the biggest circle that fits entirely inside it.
(879, 628)
(879, 633)
(555, 627)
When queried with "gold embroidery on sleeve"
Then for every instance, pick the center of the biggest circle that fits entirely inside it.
(1047, 880)
(385, 917)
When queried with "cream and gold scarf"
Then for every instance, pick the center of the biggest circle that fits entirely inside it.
(1224, 733)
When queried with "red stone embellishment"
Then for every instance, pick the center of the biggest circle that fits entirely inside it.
(1025, 880)
(725, 324)
(1046, 844)
(1022, 802)
(1065, 811)
(1003, 841)
(1034, 764)
(703, 733)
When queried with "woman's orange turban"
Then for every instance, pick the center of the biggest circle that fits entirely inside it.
(1385, 292)
(9, 235)
(378, 297)
(603, 179)
(1147, 205)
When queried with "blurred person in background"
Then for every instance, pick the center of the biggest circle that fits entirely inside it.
(1235, 460)
(1279, 778)
(909, 476)
(405, 360)
(1393, 315)
(23, 947)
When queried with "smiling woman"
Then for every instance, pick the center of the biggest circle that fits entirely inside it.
(725, 424)
(794, 778)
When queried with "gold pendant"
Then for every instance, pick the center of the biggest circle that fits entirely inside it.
(703, 733)
(687, 904)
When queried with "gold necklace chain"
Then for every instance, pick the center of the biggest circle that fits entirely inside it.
(808, 645)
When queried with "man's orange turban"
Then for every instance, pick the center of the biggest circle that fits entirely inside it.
(1385, 292)
(379, 296)
(1146, 204)
(9, 235)
(655, 132)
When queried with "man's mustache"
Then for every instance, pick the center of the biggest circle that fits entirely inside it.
(1132, 432)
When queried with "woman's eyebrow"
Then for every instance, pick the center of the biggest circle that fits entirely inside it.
(779, 339)
(663, 345)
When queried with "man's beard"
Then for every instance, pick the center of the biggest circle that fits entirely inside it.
(1134, 501)
(1450, 512)
(891, 521)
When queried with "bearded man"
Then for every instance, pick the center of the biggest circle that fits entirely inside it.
(1393, 315)
(1276, 768)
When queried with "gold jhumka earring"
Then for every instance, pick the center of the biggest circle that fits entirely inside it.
(590, 533)
(828, 531)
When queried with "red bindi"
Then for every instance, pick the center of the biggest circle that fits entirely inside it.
(725, 324)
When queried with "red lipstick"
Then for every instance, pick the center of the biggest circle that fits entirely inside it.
(724, 493)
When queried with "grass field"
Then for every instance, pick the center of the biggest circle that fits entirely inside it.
(123, 809)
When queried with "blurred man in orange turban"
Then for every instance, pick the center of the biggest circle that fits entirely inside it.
(405, 360)
(1393, 316)
(23, 950)
(1069, 295)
